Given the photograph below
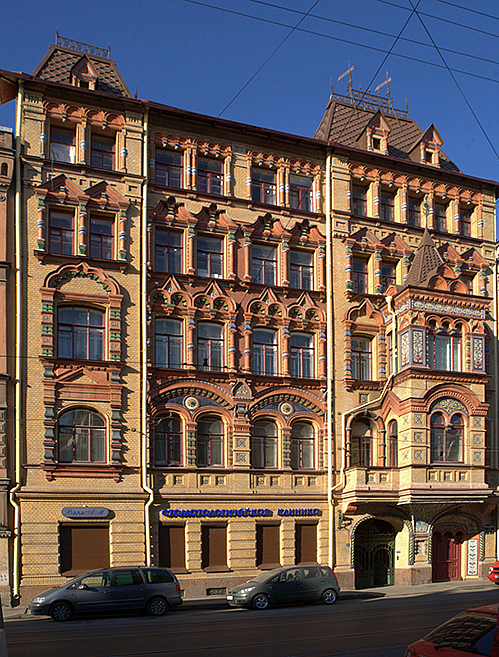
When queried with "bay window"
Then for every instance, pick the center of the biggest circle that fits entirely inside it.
(446, 438)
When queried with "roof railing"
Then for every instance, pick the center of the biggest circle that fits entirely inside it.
(84, 48)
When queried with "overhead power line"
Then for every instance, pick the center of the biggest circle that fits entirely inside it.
(349, 41)
(455, 81)
(269, 58)
(373, 31)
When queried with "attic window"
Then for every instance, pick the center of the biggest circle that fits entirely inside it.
(376, 143)
(84, 84)
(429, 156)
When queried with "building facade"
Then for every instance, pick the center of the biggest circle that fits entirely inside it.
(235, 348)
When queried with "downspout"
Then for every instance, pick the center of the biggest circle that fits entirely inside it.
(329, 361)
(389, 301)
(495, 426)
(18, 354)
(143, 339)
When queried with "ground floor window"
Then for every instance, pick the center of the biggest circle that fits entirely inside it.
(306, 543)
(268, 554)
(172, 547)
(214, 548)
(83, 547)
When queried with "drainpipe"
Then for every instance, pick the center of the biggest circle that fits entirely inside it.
(143, 338)
(495, 425)
(18, 360)
(330, 373)
(391, 308)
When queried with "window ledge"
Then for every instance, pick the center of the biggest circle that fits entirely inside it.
(112, 263)
(82, 470)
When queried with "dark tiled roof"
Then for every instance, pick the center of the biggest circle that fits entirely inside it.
(344, 122)
(426, 262)
(59, 62)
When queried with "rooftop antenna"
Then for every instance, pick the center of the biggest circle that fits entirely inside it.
(349, 73)
(387, 82)
(331, 87)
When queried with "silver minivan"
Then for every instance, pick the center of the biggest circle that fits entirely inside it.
(111, 590)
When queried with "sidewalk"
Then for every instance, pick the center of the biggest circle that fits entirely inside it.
(399, 591)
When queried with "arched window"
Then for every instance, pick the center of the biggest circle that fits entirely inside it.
(80, 333)
(81, 437)
(393, 448)
(361, 444)
(168, 343)
(264, 445)
(447, 438)
(210, 346)
(168, 441)
(210, 441)
(265, 352)
(302, 445)
(302, 355)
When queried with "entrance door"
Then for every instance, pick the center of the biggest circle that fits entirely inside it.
(374, 554)
(446, 556)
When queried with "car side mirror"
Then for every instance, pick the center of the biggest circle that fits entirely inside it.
(82, 587)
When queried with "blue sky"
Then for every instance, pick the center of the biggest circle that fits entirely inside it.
(194, 56)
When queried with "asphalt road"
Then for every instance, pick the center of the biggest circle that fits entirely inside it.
(367, 626)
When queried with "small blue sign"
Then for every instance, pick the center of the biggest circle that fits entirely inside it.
(85, 512)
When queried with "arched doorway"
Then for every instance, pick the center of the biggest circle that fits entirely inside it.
(374, 554)
(446, 555)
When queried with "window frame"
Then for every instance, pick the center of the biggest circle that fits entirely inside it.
(298, 454)
(447, 427)
(360, 277)
(265, 350)
(264, 269)
(264, 445)
(359, 201)
(387, 280)
(207, 439)
(301, 196)
(214, 259)
(100, 431)
(90, 330)
(171, 254)
(98, 153)
(439, 218)
(387, 206)
(172, 443)
(165, 341)
(414, 211)
(209, 345)
(305, 354)
(214, 180)
(439, 340)
(61, 233)
(362, 361)
(263, 191)
(301, 272)
(99, 242)
(168, 170)
(465, 216)
(71, 145)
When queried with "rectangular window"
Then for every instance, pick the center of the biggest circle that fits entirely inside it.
(169, 168)
(301, 192)
(359, 276)
(387, 206)
(83, 547)
(263, 186)
(80, 333)
(101, 238)
(169, 343)
(388, 275)
(359, 201)
(444, 352)
(302, 355)
(210, 253)
(172, 547)
(213, 548)
(61, 233)
(306, 544)
(361, 359)
(62, 144)
(168, 255)
(414, 212)
(265, 352)
(441, 217)
(302, 270)
(102, 152)
(465, 223)
(210, 346)
(210, 176)
(264, 260)
(268, 553)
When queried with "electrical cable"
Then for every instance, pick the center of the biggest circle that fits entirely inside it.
(456, 82)
(268, 58)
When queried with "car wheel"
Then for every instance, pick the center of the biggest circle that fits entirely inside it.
(260, 601)
(329, 597)
(156, 606)
(61, 611)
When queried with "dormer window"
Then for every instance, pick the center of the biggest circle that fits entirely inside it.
(84, 75)
(376, 143)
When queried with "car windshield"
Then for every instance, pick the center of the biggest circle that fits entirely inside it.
(469, 631)
(263, 577)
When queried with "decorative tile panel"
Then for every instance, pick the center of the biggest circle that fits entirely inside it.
(418, 418)
(418, 455)
(477, 438)
(418, 437)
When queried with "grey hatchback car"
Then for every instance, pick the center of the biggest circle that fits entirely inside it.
(287, 586)
(111, 590)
